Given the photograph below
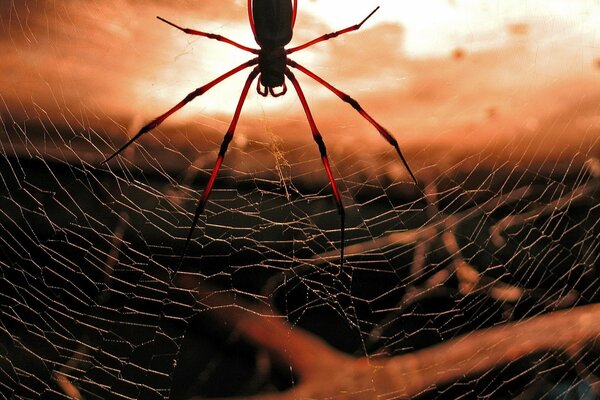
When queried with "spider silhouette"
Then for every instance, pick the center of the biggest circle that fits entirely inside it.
(272, 22)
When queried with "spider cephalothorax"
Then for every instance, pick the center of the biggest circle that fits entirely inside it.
(272, 22)
(272, 64)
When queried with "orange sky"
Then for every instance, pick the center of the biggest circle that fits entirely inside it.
(452, 79)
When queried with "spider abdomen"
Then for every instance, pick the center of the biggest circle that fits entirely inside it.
(272, 22)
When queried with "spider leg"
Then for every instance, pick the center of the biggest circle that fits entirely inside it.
(210, 36)
(331, 35)
(319, 140)
(192, 95)
(259, 89)
(278, 94)
(213, 176)
(251, 18)
(346, 98)
(294, 14)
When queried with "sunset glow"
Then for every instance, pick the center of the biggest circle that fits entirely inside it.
(426, 70)
(430, 29)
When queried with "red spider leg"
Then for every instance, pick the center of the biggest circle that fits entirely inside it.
(210, 36)
(331, 35)
(251, 19)
(213, 176)
(319, 140)
(259, 89)
(192, 95)
(278, 94)
(346, 98)
(294, 14)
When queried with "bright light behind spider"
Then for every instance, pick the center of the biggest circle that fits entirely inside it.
(428, 29)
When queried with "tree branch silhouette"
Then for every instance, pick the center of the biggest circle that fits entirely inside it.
(324, 372)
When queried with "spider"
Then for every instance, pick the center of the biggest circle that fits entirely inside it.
(272, 22)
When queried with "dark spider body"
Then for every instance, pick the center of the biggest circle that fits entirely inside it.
(273, 29)
(272, 64)
(272, 22)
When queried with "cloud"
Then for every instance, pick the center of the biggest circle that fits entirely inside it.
(107, 66)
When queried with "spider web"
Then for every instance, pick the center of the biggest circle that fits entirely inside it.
(480, 283)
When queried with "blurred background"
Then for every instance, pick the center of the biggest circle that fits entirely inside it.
(495, 104)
